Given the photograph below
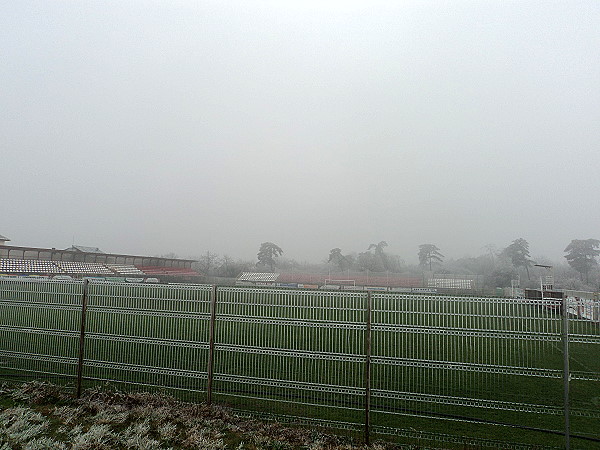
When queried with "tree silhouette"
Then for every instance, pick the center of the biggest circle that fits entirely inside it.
(518, 252)
(336, 257)
(379, 247)
(428, 253)
(267, 254)
(582, 255)
(379, 258)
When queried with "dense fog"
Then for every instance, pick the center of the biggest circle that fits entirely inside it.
(186, 127)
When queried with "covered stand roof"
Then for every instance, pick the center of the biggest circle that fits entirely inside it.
(84, 249)
(90, 261)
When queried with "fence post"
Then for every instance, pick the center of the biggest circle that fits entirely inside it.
(84, 301)
(566, 371)
(211, 344)
(368, 369)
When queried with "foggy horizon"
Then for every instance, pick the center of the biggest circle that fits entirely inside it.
(181, 127)
(410, 259)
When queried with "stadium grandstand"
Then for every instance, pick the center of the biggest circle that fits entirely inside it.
(79, 261)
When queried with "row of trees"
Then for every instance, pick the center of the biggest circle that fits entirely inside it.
(212, 264)
(497, 267)
(581, 255)
(374, 259)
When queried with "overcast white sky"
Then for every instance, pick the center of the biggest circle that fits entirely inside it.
(183, 126)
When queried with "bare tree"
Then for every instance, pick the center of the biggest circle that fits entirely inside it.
(208, 262)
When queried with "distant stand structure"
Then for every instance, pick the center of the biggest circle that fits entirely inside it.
(80, 261)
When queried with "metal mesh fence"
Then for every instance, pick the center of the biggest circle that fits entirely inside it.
(148, 335)
(39, 328)
(298, 352)
(466, 360)
(584, 365)
(461, 370)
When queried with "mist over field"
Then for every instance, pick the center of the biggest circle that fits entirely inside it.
(181, 127)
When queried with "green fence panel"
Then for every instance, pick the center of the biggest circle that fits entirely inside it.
(584, 366)
(39, 328)
(150, 335)
(467, 366)
(291, 352)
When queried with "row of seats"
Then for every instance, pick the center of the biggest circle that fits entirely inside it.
(27, 265)
(172, 271)
(85, 268)
(82, 267)
(125, 269)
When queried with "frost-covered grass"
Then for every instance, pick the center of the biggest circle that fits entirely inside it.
(36, 416)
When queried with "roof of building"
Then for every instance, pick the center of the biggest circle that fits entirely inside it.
(258, 277)
(84, 249)
(101, 253)
(4, 238)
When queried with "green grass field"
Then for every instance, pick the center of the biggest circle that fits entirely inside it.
(439, 365)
